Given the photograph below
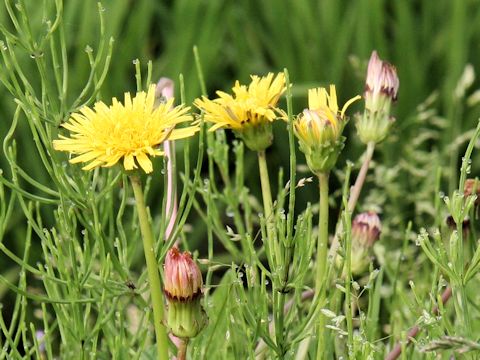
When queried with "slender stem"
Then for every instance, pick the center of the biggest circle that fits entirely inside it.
(357, 188)
(348, 277)
(182, 349)
(166, 88)
(272, 246)
(461, 285)
(465, 312)
(171, 208)
(280, 321)
(152, 268)
(268, 209)
(354, 194)
(267, 202)
(322, 246)
(266, 192)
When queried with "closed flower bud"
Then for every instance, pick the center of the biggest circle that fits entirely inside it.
(366, 228)
(381, 85)
(183, 279)
(381, 90)
(183, 290)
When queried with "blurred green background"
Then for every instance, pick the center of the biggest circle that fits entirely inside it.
(320, 42)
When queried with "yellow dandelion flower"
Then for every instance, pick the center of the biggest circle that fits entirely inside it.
(131, 132)
(319, 128)
(249, 111)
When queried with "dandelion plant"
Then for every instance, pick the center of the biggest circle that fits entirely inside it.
(233, 210)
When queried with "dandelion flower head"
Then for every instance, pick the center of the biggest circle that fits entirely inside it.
(130, 132)
(251, 105)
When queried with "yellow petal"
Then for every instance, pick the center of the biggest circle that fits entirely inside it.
(144, 162)
(348, 103)
(129, 162)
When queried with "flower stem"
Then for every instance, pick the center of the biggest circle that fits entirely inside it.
(182, 349)
(460, 287)
(273, 247)
(357, 188)
(354, 194)
(152, 268)
(322, 246)
(268, 206)
(265, 181)
(348, 278)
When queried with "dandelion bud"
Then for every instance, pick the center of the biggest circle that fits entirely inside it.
(319, 129)
(183, 279)
(380, 91)
(382, 84)
(183, 290)
(366, 228)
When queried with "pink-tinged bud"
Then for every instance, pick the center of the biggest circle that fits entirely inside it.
(183, 279)
(366, 228)
(382, 81)
(183, 290)
(381, 90)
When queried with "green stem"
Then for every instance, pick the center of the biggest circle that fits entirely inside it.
(268, 208)
(465, 311)
(265, 181)
(461, 285)
(152, 268)
(348, 277)
(280, 322)
(322, 246)
(272, 246)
